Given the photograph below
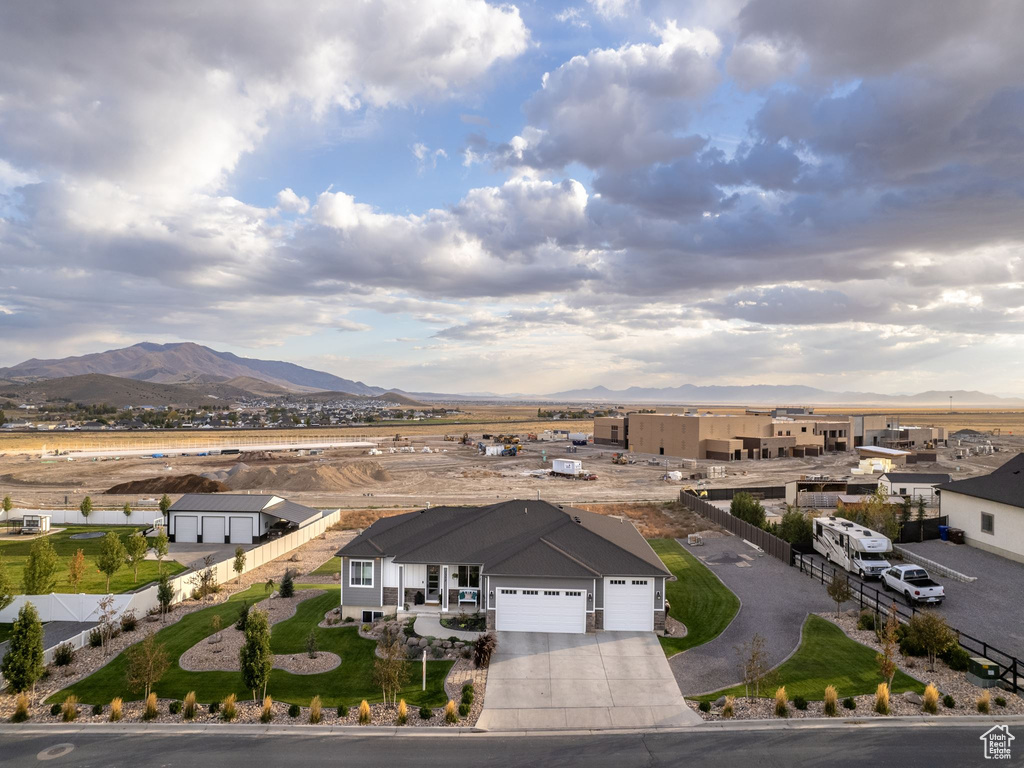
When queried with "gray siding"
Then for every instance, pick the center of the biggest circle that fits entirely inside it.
(540, 582)
(659, 586)
(361, 596)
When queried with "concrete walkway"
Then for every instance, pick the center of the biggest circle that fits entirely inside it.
(546, 682)
(775, 600)
(429, 625)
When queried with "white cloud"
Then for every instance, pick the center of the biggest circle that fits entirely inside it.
(573, 16)
(425, 156)
(612, 9)
(287, 200)
(759, 62)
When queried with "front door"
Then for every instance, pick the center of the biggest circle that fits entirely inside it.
(433, 582)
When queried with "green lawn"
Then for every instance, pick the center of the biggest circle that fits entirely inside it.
(5, 632)
(348, 684)
(698, 599)
(331, 567)
(15, 553)
(826, 656)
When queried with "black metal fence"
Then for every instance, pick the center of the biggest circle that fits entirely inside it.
(869, 597)
(773, 545)
(911, 531)
(757, 491)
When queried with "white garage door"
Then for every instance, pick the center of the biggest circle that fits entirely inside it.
(186, 529)
(629, 604)
(241, 530)
(541, 610)
(213, 530)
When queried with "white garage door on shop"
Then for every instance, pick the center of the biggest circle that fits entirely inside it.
(186, 529)
(241, 530)
(213, 530)
(629, 604)
(541, 610)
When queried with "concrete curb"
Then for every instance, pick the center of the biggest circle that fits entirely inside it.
(933, 566)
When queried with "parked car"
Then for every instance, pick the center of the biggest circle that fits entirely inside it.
(913, 582)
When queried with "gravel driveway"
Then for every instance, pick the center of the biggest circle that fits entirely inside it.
(775, 600)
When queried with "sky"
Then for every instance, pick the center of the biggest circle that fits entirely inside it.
(463, 196)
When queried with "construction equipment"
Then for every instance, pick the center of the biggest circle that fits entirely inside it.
(701, 494)
(449, 438)
(619, 458)
(465, 439)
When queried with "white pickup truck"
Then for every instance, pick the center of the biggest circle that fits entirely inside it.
(913, 582)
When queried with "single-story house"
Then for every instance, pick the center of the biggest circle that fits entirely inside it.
(234, 518)
(989, 509)
(913, 485)
(530, 565)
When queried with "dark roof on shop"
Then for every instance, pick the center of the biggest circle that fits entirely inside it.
(1004, 485)
(517, 538)
(244, 502)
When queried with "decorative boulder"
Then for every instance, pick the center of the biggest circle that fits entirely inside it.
(912, 698)
(720, 701)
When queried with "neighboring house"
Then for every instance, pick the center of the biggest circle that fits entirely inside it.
(989, 509)
(530, 565)
(234, 518)
(913, 485)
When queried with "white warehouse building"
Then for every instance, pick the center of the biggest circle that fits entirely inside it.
(234, 518)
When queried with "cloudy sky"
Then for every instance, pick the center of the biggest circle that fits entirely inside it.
(471, 196)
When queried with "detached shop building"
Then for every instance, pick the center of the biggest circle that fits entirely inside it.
(530, 565)
(234, 518)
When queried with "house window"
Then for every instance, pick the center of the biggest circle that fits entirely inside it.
(551, 593)
(360, 573)
(903, 491)
(573, 594)
(371, 616)
(639, 582)
(988, 523)
(617, 581)
(529, 591)
(803, 429)
(469, 575)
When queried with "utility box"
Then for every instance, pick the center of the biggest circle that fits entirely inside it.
(983, 672)
(569, 467)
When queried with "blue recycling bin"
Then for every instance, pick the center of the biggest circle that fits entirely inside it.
(944, 532)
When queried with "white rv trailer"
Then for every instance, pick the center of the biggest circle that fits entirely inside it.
(856, 548)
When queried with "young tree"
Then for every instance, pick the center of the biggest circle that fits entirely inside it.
(747, 508)
(889, 637)
(796, 527)
(920, 518)
(127, 509)
(147, 663)
(161, 545)
(239, 565)
(254, 656)
(204, 580)
(6, 586)
(7, 504)
(112, 556)
(23, 664)
(753, 664)
(76, 570)
(164, 595)
(390, 669)
(86, 507)
(165, 504)
(839, 590)
(107, 615)
(287, 588)
(929, 631)
(881, 515)
(135, 552)
(40, 573)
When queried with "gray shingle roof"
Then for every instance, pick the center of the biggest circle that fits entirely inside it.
(1004, 485)
(242, 502)
(523, 538)
(294, 513)
(917, 477)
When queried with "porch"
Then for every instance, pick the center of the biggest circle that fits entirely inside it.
(446, 588)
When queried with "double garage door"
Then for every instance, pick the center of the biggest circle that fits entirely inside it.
(186, 529)
(541, 610)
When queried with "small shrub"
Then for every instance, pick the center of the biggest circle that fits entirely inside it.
(63, 655)
(948, 702)
(113, 630)
(69, 711)
(228, 710)
(189, 708)
(464, 709)
(704, 706)
(243, 616)
(311, 646)
(116, 709)
(468, 686)
(214, 707)
(174, 707)
(831, 699)
(866, 620)
(349, 619)
(95, 637)
(1000, 701)
(467, 695)
(882, 699)
(484, 649)
(930, 701)
(364, 712)
(294, 711)
(956, 658)
(54, 710)
(315, 710)
(451, 716)
(267, 713)
(728, 709)
(342, 711)
(20, 708)
(467, 653)
(129, 621)
(365, 628)
(800, 703)
(781, 709)
(403, 713)
(437, 651)
(97, 709)
(287, 588)
(984, 703)
(151, 711)
(426, 713)
(849, 703)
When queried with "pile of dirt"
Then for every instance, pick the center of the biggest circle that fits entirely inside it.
(170, 484)
(322, 477)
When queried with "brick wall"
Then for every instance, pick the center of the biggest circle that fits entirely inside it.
(659, 621)
(390, 596)
(490, 620)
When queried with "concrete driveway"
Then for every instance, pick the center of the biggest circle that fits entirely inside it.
(191, 555)
(542, 681)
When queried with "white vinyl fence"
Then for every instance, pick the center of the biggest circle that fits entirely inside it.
(65, 607)
(64, 517)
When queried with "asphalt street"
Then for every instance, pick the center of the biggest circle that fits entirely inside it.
(897, 744)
